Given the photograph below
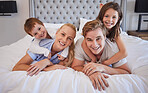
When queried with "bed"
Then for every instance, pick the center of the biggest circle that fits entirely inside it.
(54, 13)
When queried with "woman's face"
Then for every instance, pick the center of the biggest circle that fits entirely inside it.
(110, 18)
(39, 31)
(95, 41)
(64, 37)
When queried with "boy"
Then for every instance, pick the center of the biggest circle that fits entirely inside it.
(40, 32)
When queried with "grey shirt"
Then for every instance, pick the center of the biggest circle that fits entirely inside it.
(110, 49)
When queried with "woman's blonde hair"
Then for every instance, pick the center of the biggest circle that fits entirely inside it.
(71, 47)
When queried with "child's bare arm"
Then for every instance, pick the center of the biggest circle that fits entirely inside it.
(119, 55)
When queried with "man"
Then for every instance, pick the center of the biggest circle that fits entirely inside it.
(102, 48)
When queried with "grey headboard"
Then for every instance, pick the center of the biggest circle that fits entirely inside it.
(70, 11)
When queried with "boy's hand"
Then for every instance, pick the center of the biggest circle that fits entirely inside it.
(49, 56)
(60, 57)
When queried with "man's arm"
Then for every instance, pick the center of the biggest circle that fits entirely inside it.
(77, 64)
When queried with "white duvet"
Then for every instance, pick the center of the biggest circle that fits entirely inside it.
(70, 81)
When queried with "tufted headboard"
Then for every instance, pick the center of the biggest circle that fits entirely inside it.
(70, 11)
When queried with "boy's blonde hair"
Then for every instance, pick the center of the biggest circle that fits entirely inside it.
(71, 47)
(29, 24)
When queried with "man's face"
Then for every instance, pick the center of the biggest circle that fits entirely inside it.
(95, 41)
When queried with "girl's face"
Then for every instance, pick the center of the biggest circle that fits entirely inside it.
(64, 37)
(110, 18)
(95, 42)
(39, 31)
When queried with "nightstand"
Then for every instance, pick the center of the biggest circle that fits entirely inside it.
(142, 35)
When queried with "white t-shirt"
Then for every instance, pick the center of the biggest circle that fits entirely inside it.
(35, 48)
(110, 49)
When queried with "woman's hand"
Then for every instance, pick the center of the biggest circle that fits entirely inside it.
(37, 67)
(99, 80)
(54, 67)
(92, 67)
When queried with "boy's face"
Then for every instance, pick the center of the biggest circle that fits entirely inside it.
(64, 37)
(39, 31)
(95, 41)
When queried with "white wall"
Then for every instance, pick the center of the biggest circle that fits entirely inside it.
(132, 17)
(11, 27)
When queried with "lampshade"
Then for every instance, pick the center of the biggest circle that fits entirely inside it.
(8, 7)
(141, 6)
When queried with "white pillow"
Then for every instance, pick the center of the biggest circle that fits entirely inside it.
(50, 25)
(82, 23)
(52, 28)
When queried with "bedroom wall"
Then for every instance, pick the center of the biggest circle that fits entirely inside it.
(132, 17)
(11, 27)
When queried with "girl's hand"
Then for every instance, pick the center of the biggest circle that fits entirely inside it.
(37, 67)
(54, 67)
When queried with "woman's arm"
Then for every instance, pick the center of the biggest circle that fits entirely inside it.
(23, 64)
(119, 55)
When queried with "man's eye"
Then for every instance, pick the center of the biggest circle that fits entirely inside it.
(62, 34)
(89, 40)
(39, 28)
(98, 39)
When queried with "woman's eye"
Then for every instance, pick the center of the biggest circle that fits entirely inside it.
(70, 38)
(35, 34)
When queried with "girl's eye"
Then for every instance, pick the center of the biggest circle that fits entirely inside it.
(114, 17)
(106, 16)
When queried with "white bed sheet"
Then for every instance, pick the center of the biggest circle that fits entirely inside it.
(70, 81)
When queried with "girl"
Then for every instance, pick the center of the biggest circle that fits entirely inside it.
(111, 15)
(64, 38)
